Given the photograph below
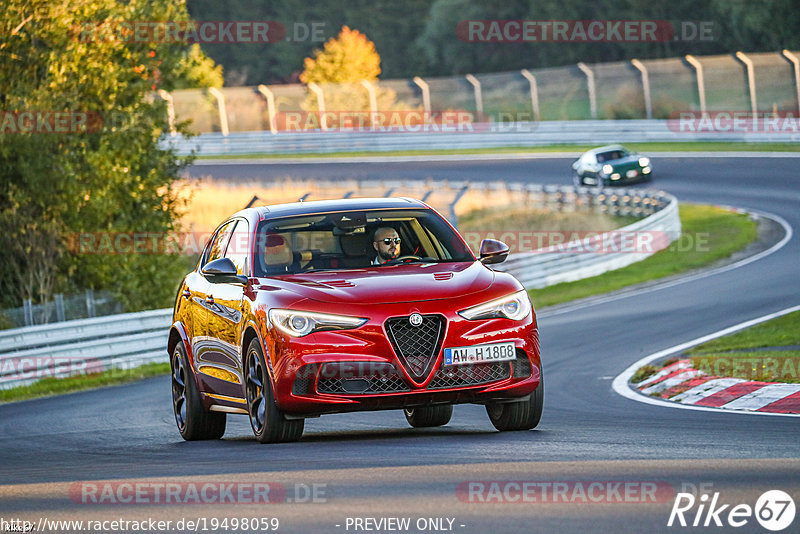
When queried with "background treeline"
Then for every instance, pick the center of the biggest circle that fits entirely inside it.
(418, 37)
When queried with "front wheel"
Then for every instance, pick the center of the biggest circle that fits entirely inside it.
(194, 423)
(268, 422)
(429, 415)
(523, 415)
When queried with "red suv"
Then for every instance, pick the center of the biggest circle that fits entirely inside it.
(298, 310)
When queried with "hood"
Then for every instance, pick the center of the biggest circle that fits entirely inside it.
(630, 162)
(392, 284)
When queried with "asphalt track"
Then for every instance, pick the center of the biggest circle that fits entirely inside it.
(373, 465)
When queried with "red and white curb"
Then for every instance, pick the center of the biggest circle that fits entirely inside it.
(681, 383)
(680, 386)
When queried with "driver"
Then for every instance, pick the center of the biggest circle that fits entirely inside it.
(386, 243)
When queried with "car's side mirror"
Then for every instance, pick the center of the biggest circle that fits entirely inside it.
(222, 270)
(493, 251)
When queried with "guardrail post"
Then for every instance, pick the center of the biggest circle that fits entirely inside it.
(223, 114)
(317, 90)
(751, 81)
(373, 102)
(264, 90)
(476, 87)
(534, 93)
(59, 300)
(426, 96)
(166, 97)
(648, 104)
(701, 84)
(590, 85)
(795, 61)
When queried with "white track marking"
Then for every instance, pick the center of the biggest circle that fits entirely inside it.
(620, 383)
(706, 389)
(762, 396)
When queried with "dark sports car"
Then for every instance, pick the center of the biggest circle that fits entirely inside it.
(292, 313)
(611, 165)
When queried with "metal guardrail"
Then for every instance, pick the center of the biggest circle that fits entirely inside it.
(519, 134)
(129, 340)
(86, 345)
(578, 260)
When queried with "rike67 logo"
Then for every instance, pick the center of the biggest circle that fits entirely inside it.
(774, 510)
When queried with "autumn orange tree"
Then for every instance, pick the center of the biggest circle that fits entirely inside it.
(339, 68)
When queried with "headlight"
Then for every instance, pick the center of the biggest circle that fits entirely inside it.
(516, 306)
(608, 169)
(644, 162)
(301, 323)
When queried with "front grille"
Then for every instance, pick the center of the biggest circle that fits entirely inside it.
(416, 346)
(360, 378)
(470, 375)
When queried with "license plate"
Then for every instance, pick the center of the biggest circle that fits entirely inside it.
(632, 173)
(492, 352)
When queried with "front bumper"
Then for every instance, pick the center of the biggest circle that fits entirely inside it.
(352, 370)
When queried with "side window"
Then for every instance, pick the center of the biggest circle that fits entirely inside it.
(239, 247)
(220, 240)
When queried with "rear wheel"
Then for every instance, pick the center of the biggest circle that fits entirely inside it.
(429, 415)
(268, 422)
(194, 423)
(523, 415)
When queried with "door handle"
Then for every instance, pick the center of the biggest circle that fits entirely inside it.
(186, 293)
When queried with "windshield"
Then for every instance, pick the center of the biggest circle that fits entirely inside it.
(344, 240)
(611, 155)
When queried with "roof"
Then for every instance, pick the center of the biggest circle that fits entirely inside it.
(607, 148)
(328, 206)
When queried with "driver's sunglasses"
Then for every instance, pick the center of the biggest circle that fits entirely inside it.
(390, 240)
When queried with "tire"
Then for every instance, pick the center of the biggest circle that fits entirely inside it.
(194, 422)
(268, 422)
(429, 415)
(523, 415)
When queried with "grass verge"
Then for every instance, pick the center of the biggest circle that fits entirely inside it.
(734, 355)
(708, 146)
(58, 386)
(709, 234)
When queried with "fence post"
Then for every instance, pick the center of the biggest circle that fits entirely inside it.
(795, 61)
(590, 85)
(317, 90)
(223, 114)
(90, 312)
(648, 104)
(166, 97)
(751, 81)
(27, 308)
(476, 87)
(460, 194)
(60, 315)
(426, 96)
(701, 84)
(264, 90)
(373, 102)
(534, 93)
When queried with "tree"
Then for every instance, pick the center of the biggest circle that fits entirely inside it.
(347, 58)
(111, 176)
